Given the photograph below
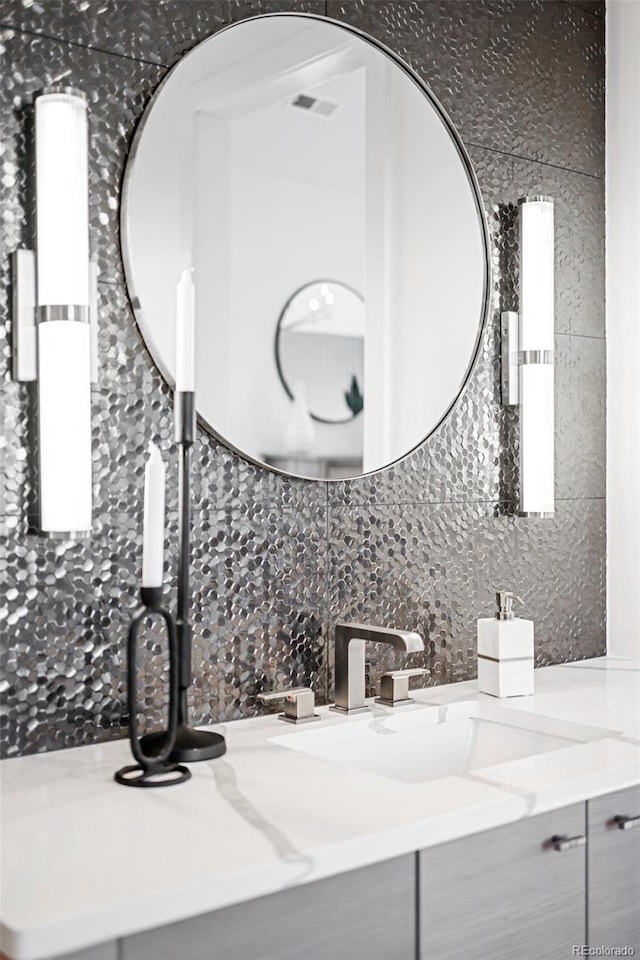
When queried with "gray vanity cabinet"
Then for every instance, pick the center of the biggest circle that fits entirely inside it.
(614, 870)
(506, 893)
(531, 890)
(367, 914)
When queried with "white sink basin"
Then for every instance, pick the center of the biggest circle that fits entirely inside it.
(432, 742)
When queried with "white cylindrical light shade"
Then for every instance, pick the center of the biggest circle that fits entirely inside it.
(536, 343)
(62, 211)
(64, 415)
(536, 274)
(536, 439)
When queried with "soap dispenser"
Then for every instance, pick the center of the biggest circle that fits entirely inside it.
(505, 651)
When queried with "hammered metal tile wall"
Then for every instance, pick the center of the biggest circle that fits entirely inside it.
(435, 568)
(276, 561)
(158, 31)
(520, 76)
(259, 601)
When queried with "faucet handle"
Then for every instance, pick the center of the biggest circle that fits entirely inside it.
(394, 688)
(299, 704)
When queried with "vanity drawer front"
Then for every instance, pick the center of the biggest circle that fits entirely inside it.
(506, 893)
(366, 914)
(614, 871)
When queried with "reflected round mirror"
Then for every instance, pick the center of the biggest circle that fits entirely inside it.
(325, 204)
(320, 345)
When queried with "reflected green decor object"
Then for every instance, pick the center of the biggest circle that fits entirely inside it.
(355, 400)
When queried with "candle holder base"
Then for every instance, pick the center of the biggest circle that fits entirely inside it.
(190, 745)
(165, 775)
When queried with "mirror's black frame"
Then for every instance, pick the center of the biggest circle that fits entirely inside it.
(276, 345)
(480, 209)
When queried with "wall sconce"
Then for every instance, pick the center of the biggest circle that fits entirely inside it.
(54, 314)
(528, 357)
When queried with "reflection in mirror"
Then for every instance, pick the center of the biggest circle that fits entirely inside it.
(288, 148)
(320, 357)
(320, 341)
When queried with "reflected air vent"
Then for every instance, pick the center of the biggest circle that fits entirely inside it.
(323, 107)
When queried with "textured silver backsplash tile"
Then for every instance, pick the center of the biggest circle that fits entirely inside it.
(410, 566)
(580, 436)
(434, 568)
(259, 587)
(158, 31)
(521, 76)
(558, 569)
(259, 577)
(596, 7)
(117, 90)
(579, 229)
(65, 609)
(275, 561)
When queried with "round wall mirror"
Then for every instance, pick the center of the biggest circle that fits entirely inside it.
(325, 204)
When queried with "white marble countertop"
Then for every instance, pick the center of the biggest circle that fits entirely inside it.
(85, 860)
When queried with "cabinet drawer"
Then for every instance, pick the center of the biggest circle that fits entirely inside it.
(506, 893)
(366, 914)
(614, 871)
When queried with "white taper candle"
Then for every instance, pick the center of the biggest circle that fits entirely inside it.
(153, 537)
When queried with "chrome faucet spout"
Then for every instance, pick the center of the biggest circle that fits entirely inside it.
(350, 639)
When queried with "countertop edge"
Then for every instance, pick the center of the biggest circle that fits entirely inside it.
(505, 806)
(353, 854)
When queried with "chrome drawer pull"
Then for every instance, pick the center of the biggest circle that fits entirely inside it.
(561, 843)
(626, 823)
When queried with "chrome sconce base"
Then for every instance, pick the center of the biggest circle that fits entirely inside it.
(23, 312)
(513, 360)
(27, 315)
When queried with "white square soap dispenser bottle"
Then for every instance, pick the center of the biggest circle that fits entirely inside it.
(505, 651)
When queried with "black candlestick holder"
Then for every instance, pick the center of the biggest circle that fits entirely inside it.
(189, 745)
(156, 769)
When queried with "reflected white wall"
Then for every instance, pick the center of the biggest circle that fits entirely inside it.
(328, 227)
(415, 292)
